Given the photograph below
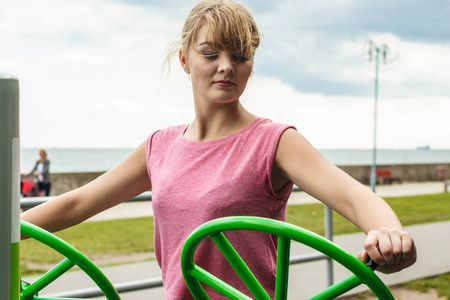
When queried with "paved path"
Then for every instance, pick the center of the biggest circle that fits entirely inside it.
(306, 279)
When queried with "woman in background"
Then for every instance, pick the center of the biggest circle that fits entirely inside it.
(41, 171)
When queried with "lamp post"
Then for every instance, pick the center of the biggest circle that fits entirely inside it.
(383, 50)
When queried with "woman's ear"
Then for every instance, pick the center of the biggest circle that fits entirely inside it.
(183, 61)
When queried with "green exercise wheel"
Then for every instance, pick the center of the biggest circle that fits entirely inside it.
(286, 232)
(73, 257)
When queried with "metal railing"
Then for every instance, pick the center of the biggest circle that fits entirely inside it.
(149, 283)
(29, 202)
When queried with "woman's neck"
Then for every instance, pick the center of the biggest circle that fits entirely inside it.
(217, 122)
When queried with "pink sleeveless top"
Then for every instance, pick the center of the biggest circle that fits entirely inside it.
(193, 183)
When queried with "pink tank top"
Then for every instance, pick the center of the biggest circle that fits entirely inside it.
(193, 183)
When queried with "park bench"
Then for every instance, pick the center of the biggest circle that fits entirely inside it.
(386, 176)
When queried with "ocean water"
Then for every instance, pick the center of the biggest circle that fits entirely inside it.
(63, 160)
(351, 157)
(100, 160)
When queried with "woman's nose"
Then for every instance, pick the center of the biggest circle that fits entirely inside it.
(226, 64)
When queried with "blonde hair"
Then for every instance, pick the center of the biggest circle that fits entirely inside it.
(231, 27)
(43, 153)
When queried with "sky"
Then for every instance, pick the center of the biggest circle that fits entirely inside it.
(91, 71)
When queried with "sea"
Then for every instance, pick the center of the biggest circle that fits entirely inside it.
(65, 160)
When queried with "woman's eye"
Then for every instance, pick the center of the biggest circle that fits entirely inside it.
(210, 55)
(239, 58)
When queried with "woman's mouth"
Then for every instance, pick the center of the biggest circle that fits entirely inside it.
(224, 83)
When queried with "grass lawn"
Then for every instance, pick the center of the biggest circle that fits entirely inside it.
(440, 283)
(410, 210)
(128, 236)
(118, 237)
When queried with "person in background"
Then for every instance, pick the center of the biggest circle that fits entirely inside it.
(41, 171)
(227, 162)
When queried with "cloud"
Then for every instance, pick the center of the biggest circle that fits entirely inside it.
(90, 71)
(325, 42)
(80, 63)
(348, 121)
(416, 20)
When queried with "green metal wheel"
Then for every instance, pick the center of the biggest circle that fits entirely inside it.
(73, 257)
(286, 232)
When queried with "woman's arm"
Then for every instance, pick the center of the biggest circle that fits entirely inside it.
(125, 181)
(34, 169)
(297, 161)
(46, 167)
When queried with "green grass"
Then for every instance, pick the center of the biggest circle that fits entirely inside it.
(118, 237)
(128, 236)
(440, 283)
(410, 210)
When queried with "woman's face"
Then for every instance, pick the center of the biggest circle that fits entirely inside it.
(218, 77)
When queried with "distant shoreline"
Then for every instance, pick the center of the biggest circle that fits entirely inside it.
(80, 160)
(66, 181)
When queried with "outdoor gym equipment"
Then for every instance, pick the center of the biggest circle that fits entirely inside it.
(286, 232)
(73, 257)
(9, 187)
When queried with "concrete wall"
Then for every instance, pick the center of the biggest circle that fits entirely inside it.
(64, 182)
(409, 173)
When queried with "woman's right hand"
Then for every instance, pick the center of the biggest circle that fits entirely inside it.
(392, 249)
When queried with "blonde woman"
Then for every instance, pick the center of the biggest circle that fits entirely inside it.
(41, 171)
(227, 162)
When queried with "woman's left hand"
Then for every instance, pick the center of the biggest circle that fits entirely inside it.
(396, 249)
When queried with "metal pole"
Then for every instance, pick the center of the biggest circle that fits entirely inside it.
(329, 236)
(9, 188)
(373, 173)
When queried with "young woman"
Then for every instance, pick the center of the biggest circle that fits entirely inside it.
(227, 162)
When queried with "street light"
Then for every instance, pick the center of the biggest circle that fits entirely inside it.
(383, 49)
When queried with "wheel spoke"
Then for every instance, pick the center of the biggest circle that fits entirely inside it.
(217, 284)
(281, 281)
(338, 288)
(239, 266)
(48, 278)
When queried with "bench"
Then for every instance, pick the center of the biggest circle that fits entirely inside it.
(386, 176)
